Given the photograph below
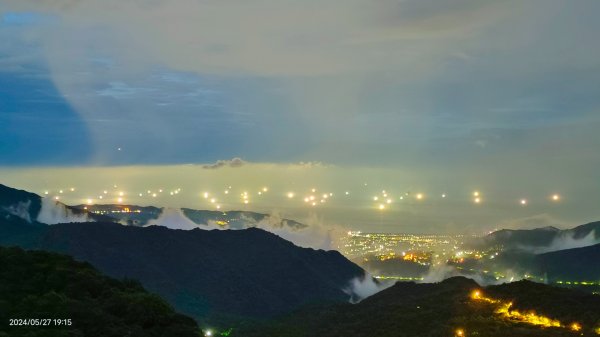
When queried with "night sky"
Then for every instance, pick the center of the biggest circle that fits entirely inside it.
(407, 96)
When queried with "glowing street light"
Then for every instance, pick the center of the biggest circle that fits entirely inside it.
(523, 202)
(555, 197)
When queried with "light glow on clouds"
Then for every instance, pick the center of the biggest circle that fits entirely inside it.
(412, 94)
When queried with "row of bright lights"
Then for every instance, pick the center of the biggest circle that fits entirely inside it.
(312, 199)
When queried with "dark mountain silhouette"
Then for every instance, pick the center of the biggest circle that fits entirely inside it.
(538, 238)
(42, 285)
(224, 274)
(29, 207)
(134, 215)
(577, 264)
(441, 309)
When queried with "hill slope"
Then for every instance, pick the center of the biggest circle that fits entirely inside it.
(42, 285)
(250, 273)
(443, 309)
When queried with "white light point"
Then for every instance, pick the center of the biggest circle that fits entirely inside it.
(290, 195)
(523, 202)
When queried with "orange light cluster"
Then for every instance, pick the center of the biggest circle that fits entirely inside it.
(504, 309)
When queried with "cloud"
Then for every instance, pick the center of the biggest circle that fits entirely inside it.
(234, 162)
(360, 288)
(53, 212)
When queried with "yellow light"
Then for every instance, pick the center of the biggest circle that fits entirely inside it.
(575, 327)
(205, 195)
(120, 200)
(56, 197)
(306, 199)
(389, 201)
(226, 191)
(556, 197)
(477, 200)
(265, 189)
(460, 332)
(523, 202)
(347, 192)
(290, 195)
(72, 189)
(245, 201)
(89, 201)
(381, 206)
(60, 191)
(312, 197)
(213, 200)
(375, 198)
(153, 195)
(121, 194)
(218, 206)
(476, 193)
(46, 192)
(443, 195)
(420, 196)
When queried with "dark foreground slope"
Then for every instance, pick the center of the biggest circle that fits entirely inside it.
(442, 309)
(42, 285)
(206, 274)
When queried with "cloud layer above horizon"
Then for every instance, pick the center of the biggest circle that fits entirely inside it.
(498, 93)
